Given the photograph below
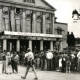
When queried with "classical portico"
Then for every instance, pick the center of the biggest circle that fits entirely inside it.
(29, 22)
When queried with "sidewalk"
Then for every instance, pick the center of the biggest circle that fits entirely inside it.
(42, 75)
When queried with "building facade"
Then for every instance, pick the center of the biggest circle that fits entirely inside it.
(30, 23)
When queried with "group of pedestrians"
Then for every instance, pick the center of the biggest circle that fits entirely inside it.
(66, 61)
(44, 60)
(9, 62)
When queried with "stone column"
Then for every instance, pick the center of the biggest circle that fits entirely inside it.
(34, 21)
(10, 46)
(4, 44)
(51, 45)
(24, 21)
(30, 44)
(12, 18)
(1, 19)
(53, 19)
(18, 45)
(61, 48)
(44, 23)
(41, 45)
(6, 24)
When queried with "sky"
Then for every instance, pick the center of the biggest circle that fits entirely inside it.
(63, 13)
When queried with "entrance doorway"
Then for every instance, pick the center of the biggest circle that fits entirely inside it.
(36, 45)
(24, 44)
(46, 45)
(11, 45)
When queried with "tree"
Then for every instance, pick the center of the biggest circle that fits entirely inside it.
(70, 39)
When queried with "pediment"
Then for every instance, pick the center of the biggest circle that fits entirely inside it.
(39, 3)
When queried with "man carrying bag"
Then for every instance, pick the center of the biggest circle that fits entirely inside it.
(30, 63)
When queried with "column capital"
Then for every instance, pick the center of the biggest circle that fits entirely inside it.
(34, 11)
(44, 13)
(23, 10)
(53, 14)
(12, 8)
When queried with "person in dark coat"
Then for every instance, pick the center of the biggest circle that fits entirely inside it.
(4, 62)
(12, 61)
(63, 64)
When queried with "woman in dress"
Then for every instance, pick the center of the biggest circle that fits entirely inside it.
(8, 63)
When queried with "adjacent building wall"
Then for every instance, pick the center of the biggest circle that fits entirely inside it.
(64, 27)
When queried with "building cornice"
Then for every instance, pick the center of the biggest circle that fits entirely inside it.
(26, 6)
(61, 23)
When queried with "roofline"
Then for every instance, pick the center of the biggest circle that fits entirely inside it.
(61, 23)
(23, 4)
(31, 5)
(49, 4)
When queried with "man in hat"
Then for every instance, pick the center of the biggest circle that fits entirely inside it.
(30, 63)
(49, 56)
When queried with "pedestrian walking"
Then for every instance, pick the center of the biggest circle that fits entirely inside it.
(30, 63)
(4, 62)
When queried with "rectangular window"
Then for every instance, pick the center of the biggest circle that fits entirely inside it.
(38, 27)
(17, 21)
(59, 31)
(28, 26)
(6, 24)
(48, 28)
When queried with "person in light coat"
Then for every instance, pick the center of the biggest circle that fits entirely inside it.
(49, 56)
(30, 63)
(8, 63)
(78, 55)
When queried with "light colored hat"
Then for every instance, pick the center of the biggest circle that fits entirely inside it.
(28, 49)
(8, 53)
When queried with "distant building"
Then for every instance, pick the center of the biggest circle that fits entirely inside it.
(30, 23)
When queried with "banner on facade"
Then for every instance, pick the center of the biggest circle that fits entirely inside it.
(31, 34)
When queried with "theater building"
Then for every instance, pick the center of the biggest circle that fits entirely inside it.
(30, 23)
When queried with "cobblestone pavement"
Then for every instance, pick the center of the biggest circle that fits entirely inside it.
(42, 75)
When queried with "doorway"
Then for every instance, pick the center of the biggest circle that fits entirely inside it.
(35, 45)
(46, 45)
(11, 45)
(24, 44)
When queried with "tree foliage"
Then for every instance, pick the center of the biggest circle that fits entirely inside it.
(70, 39)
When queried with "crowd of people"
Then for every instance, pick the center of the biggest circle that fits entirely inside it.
(66, 61)
(10, 62)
